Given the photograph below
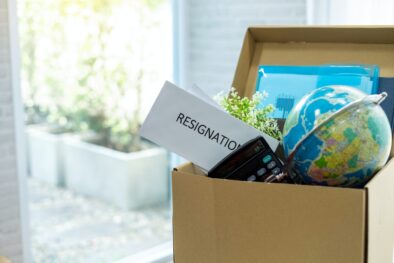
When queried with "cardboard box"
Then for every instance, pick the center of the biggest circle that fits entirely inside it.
(229, 221)
(4, 260)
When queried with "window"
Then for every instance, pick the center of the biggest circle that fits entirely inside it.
(90, 71)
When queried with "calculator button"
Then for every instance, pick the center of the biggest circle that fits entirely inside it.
(271, 165)
(261, 171)
(252, 178)
(276, 170)
(267, 158)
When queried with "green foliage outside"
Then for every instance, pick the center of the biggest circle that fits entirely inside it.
(248, 111)
(84, 68)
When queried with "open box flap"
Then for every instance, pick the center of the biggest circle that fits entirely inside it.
(312, 46)
(335, 34)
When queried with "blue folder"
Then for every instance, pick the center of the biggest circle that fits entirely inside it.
(286, 85)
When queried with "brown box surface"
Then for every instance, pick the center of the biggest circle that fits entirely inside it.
(232, 221)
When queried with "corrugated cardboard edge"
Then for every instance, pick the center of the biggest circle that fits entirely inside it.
(245, 58)
(379, 34)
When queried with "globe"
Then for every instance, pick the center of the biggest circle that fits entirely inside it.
(337, 136)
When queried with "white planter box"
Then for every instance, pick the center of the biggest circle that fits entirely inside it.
(127, 180)
(45, 155)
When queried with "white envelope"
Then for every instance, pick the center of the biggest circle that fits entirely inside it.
(194, 129)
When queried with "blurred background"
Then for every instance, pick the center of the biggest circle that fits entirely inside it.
(89, 73)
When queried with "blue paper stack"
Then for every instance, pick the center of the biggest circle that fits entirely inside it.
(286, 85)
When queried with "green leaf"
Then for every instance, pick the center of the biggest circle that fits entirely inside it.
(249, 111)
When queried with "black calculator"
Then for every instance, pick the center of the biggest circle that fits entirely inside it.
(253, 161)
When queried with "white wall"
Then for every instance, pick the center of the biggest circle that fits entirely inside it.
(212, 34)
(352, 12)
(11, 241)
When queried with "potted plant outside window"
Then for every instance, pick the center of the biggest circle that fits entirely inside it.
(89, 85)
